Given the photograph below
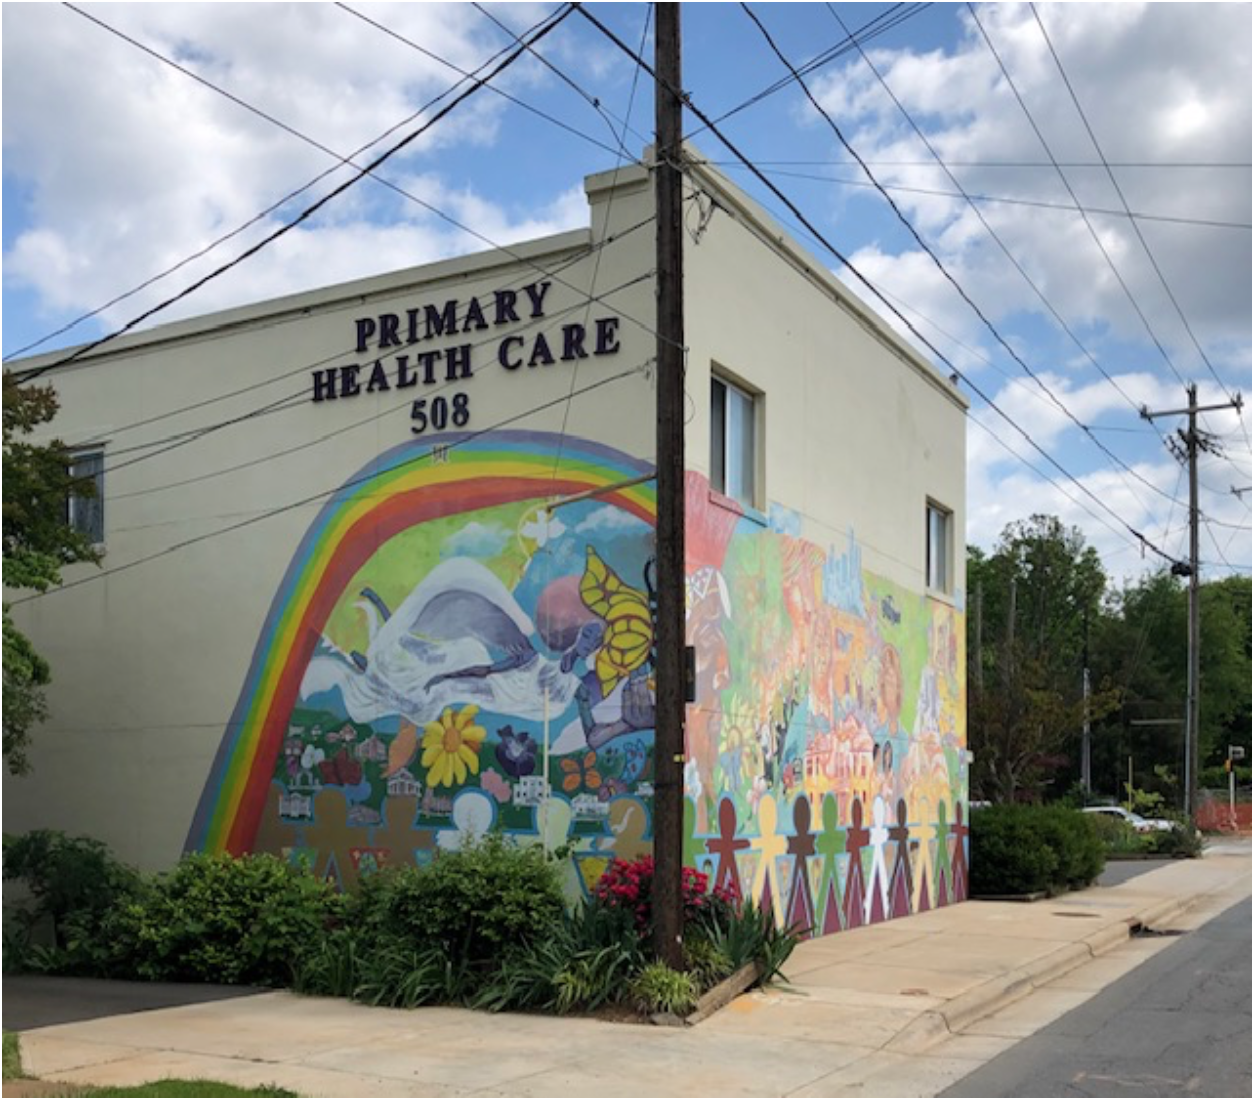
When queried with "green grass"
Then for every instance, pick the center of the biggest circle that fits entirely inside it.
(162, 1088)
(189, 1088)
(12, 1056)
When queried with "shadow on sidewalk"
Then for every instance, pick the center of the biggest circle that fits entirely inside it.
(31, 1002)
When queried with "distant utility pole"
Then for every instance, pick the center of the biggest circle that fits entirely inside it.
(1193, 442)
(668, 812)
(1086, 759)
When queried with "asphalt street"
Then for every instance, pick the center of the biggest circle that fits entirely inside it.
(1177, 1026)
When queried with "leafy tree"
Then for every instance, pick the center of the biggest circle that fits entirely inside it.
(1143, 646)
(37, 543)
(1039, 593)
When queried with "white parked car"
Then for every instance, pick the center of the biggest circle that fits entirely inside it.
(1137, 822)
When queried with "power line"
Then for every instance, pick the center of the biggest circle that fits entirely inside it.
(936, 260)
(887, 20)
(309, 211)
(205, 250)
(579, 257)
(593, 101)
(978, 197)
(498, 91)
(302, 398)
(903, 163)
(183, 544)
(1136, 306)
(734, 150)
(1119, 191)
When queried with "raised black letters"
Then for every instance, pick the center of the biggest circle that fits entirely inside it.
(572, 342)
(536, 292)
(324, 384)
(365, 330)
(503, 356)
(388, 324)
(443, 321)
(474, 317)
(404, 377)
(607, 336)
(505, 307)
(540, 352)
(349, 386)
(426, 360)
(457, 362)
(378, 378)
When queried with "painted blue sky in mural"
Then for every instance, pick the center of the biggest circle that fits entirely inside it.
(117, 166)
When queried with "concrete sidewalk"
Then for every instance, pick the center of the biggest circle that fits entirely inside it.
(863, 1013)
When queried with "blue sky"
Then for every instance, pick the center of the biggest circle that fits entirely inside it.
(117, 166)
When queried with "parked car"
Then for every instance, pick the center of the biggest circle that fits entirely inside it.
(1137, 822)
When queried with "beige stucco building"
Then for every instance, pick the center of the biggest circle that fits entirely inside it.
(378, 570)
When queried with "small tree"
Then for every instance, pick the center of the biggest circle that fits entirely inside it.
(37, 543)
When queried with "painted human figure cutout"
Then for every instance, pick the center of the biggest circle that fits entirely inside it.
(943, 875)
(901, 887)
(924, 837)
(855, 890)
(877, 889)
(800, 911)
(958, 881)
(725, 847)
(829, 843)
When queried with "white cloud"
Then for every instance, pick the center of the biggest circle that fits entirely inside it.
(1154, 88)
(130, 166)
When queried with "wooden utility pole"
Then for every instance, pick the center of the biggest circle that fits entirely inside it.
(1193, 443)
(668, 810)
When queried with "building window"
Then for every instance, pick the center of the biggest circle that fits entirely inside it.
(940, 542)
(85, 513)
(733, 451)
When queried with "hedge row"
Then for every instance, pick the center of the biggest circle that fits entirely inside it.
(1018, 849)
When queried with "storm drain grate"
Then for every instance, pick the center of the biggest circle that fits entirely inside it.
(1148, 931)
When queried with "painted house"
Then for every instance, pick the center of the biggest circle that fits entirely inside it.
(420, 508)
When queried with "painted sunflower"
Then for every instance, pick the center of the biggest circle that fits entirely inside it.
(450, 746)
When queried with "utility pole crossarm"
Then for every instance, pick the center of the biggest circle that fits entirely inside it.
(1193, 443)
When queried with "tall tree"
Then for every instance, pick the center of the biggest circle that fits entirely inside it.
(1143, 647)
(1040, 593)
(38, 541)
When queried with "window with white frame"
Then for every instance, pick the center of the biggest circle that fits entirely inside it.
(84, 512)
(940, 537)
(733, 448)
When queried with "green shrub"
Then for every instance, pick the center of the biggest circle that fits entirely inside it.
(80, 897)
(1008, 856)
(1019, 849)
(658, 989)
(478, 904)
(584, 961)
(1073, 837)
(746, 933)
(1119, 837)
(709, 964)
(1180, 841)
(223, 919)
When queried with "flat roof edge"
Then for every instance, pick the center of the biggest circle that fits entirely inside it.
(300, 302)
(805, 262)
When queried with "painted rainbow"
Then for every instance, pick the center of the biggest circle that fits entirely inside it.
(414, 482)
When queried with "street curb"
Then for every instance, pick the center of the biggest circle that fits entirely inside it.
(934, 1026)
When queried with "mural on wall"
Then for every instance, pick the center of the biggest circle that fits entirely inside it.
(825, 768)
(448, 655)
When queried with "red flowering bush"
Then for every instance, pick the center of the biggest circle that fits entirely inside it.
(628, 885)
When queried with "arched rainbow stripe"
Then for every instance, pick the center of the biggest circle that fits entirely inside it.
(400, 489)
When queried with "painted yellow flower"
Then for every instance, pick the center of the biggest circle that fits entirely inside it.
(450, 746)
